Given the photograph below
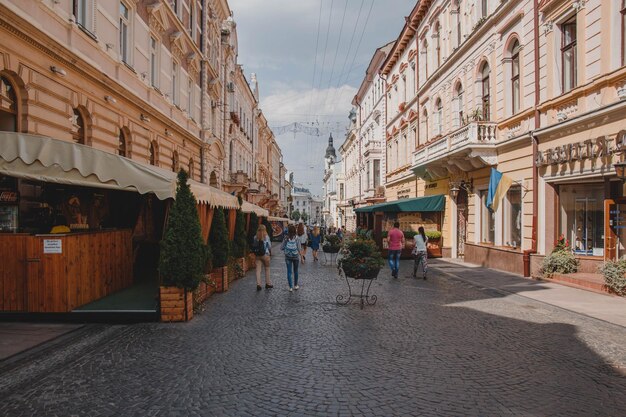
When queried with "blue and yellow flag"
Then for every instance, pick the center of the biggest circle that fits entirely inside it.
(499, 184)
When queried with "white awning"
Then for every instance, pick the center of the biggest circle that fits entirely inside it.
(41, 158)
(247, 207)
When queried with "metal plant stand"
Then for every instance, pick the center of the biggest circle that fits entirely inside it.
(330, 258)
(364, 294)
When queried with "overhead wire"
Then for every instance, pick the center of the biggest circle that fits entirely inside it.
(332, 68)
(360, 38)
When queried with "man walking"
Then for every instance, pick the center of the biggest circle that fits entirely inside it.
(395, 238)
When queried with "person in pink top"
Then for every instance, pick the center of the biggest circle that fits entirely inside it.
(395, 238)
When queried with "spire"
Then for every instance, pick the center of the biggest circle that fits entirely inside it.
(330, 150)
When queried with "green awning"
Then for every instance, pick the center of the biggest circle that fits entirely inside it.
(419, 204)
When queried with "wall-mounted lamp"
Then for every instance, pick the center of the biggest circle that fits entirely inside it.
(110, 99)
(455, 187)
(560, 116)
(59, 71)
(145, 118)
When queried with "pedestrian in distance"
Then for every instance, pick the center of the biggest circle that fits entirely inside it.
(291, 248)
(302, 236)
(420, 252)
(395, 239)
(262, 248)
(339, 234)
(316, 239)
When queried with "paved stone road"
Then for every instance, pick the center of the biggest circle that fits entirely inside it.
(436, 347)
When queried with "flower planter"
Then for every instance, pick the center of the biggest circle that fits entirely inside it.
(331, 249)
(220, 277)
(176, 304)
(433, 248)
(204, 291)
(354, 273)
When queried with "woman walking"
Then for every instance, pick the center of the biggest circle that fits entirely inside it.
(292, 249)
(302, 236)
(316, 239)
(262, 248)
(420, 252)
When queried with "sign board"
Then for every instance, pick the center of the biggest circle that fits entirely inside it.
(52, 246)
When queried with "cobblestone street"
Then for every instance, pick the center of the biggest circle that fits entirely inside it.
(435, 347)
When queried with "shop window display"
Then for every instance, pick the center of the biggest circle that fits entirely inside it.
(488, 221)
(513, 217)
(582, 218)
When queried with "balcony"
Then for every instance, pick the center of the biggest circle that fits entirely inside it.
(471, 147)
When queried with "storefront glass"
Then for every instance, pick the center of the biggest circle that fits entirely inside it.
(513, 218)
(488, 224)
(582, 217)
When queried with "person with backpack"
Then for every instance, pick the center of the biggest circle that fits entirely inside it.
(420, 253)
(262, 248)
(291, 247)
(302, 236)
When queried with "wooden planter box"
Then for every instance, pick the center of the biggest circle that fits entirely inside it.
(251, 261)
(203, 292)
(220, 277)
(176, 304)
(242, 264)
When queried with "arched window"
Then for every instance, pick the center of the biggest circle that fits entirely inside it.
(438, 117)
(8, 106)
(230, 157)
(121, 143)
(152, 154)
(515, 86)
(78, 127)
(458, 106)
(175, 163)
(485, 91)
(437, 37)
(191, 168)
(425, 52)
(425, 136)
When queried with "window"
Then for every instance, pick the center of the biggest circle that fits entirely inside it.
(191, 168)
(515, 86)
(190, 97)
(425, 125)
(623, 12)
(485, 91)
(78, 127)
(154, 62)
(230, 157)
(513, 209)
(582, 217)
(175, 83)
(368, 175)
(8, 106)
(425, 52)
(438, 117)
(152, 154)
(82, 10)
(459, 34)
(437, 37)
(121, 144)
(484, 7)
(568, 54)
(124, 25)
(192, 22)
(376, 173)
(458, 107)
(487, 232)
(175, 162)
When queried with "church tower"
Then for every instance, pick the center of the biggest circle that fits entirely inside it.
(331, 156)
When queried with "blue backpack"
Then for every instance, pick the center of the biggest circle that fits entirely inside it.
(291, 248)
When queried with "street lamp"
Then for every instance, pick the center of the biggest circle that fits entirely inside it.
(454, 191)
(620, 170)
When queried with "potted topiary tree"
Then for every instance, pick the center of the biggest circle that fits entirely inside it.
(182, 258)
(220, 245)
(239, 245)
(331, 244)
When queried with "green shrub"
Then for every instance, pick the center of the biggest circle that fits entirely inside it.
(614, 278)
(239, 245)
(331, 244)
(360, 259)
(219, 239)
(560, 261)
(409, 234)
(183, 254)
(433, 234)
(384, 234)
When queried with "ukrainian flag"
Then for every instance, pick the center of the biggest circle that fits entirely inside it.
(499, 184)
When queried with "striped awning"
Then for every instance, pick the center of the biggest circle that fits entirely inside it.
(248, 207)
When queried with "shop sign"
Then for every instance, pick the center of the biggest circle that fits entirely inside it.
(8, 196)
(431, 185)
(616, 218)
(588, 149)
(52, 246)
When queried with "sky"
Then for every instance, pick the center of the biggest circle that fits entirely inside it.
(310, 58)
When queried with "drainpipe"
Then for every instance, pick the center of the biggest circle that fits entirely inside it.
(535, 143)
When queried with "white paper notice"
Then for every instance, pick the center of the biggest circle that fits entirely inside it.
(52, 246)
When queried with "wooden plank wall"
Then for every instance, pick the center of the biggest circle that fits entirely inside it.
(13, 272)
(91, 266)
